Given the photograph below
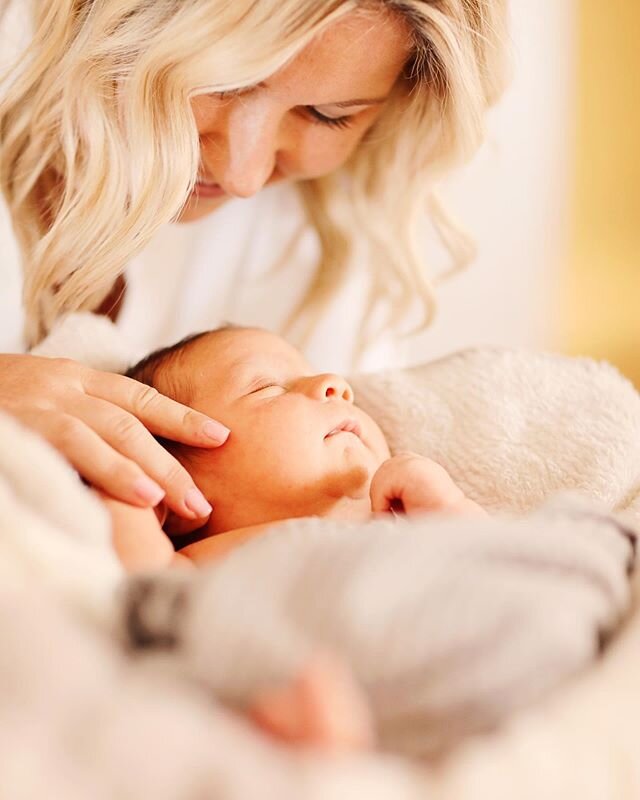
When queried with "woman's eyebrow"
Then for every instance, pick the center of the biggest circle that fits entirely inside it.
(373, 101)
(346, 103)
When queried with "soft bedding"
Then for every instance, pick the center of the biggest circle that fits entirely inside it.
(448, 625)
(476, 619)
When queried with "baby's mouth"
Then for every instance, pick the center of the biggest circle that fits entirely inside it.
(348, 426)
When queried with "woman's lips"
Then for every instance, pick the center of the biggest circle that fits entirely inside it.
(208, 190)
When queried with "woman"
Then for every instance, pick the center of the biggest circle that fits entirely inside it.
(124, 116)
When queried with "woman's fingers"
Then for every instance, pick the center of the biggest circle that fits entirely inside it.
(129, 437)
(161, 415)
(97, 421)
(94, 459)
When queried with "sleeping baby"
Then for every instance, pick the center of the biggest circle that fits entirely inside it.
(448, 650)
(299, 447)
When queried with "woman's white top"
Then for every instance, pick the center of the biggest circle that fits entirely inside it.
(248, 263)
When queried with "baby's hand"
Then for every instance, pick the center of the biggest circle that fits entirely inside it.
(412, 484)
(324, 708)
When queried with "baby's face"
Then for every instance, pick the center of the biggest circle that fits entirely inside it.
(298, 444)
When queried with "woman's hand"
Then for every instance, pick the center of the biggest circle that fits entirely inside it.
(412, 484)
(103, 425)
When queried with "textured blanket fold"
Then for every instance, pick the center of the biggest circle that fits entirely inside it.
(448, 624)
(513, 427)
(53, 533)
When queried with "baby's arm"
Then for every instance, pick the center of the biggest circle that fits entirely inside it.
(211, 548)
(413, 484)
(138, 538)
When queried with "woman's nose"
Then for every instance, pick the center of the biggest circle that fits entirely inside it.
(329, 387)
(240, 154)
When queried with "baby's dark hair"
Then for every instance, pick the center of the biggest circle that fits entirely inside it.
(161, 368)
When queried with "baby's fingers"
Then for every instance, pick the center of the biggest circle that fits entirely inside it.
(384, 494)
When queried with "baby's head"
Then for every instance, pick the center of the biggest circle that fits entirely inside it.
(298, 444)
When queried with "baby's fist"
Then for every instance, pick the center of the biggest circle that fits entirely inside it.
(413, 484)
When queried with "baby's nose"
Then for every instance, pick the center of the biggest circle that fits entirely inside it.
(331, 386)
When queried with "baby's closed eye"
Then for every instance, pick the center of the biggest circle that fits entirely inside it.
(268, 387)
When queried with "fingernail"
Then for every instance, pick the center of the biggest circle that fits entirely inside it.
(195, 501)
(216, 431)
(148, 490)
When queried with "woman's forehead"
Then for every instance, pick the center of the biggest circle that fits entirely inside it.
(357, 57)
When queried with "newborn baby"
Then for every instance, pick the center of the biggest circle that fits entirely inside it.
(299, 446)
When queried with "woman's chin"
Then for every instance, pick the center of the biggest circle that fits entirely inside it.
(199, 207)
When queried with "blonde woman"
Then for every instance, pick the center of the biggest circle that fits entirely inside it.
(123, 116)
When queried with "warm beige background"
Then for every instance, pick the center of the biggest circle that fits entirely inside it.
(601, 291)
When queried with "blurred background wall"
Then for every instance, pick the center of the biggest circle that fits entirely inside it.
(553, 199)
(601, 287)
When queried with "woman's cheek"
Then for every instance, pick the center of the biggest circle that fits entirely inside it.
(320, 152)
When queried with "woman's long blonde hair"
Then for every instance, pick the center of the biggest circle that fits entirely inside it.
(99, 147)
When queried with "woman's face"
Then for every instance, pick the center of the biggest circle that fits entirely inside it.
(306, 119)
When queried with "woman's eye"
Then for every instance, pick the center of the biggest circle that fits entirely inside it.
(316, 116)
(331, 122)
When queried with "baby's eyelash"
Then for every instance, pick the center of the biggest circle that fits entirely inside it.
(263, 386)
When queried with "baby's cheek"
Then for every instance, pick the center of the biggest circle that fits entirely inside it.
(375, 438)
(254, 451)
(285, 442)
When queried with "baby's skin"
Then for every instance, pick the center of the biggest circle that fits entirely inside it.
(299, 447)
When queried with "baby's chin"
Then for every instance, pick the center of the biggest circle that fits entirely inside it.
(350, 479)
